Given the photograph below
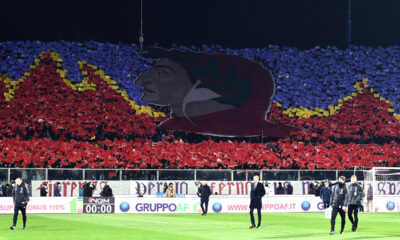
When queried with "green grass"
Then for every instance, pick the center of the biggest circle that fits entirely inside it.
(194, 226)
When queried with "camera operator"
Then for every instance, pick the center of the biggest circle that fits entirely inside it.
(88, 189)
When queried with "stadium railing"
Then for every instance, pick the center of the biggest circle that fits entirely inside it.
(9, 174)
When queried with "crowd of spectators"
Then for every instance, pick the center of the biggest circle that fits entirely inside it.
(98, 120)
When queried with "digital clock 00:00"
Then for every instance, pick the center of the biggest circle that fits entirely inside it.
(98, 205)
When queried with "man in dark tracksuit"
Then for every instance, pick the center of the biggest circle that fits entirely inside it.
(204, 193)
(325, 194)
(21, 197)
(356, 194)
(339, 202)
(256, 193)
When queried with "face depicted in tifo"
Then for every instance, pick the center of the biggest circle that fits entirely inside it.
(211, 93)
(166, 83)
(341, 180)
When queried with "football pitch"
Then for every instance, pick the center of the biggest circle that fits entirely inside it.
(194, 226)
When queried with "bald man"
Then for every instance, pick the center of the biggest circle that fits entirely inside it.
(204, 193)
(256, 194)
(356, 195)
(20, 196)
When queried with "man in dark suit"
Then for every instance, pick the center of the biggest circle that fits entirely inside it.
(256, 193)
(204, 193)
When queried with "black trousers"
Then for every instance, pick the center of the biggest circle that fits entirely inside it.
(326, 205)
(18, 208)
(335, 211)
(252, 216)
(204, 205)
(353, 209)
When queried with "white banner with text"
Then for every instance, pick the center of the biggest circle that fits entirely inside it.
(43, 205)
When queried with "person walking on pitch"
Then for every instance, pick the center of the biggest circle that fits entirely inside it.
(21, 197)
(256, 193)
(356, 194)
(339, 202)
(204, 193)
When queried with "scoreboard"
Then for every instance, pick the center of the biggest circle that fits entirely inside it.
(99, 205)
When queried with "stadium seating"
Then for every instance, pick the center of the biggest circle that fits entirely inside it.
(44, 152)
(67, 104)
(44, 99)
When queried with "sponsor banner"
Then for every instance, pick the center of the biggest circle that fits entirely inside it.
(387, 203)
(72, 188)
(42, 205)
(157, 205)
(277, 204)
(217, 204)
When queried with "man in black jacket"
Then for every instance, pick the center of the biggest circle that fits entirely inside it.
(10, 189)
(57, 190)
(288, 188)
(279, 190)
(88, 189)
(256, 193)
(313, 185)
(204, 193)
(318, 189)
(339, 202)
(21, 197)
(356, 194)
(43, 190)
(107, 191)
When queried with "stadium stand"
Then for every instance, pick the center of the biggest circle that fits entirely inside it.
(75, 105)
